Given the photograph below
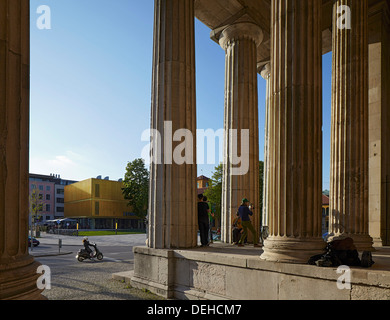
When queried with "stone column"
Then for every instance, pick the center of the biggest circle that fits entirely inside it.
(241, 141)
(266, 74)
(18, 270)
(349, 136)
(378, 128)
(172, 199)
(295, 127)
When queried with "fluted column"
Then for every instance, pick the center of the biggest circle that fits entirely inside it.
(18, 270)
(241, 141)
(172, 199)
(349, 137)
(295, 127)
(266, 74)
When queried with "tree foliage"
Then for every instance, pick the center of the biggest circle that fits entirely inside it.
(214, 191)
(261, 187)
(36, 205)
(136, 187)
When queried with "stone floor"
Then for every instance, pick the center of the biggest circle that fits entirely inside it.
(381, 256)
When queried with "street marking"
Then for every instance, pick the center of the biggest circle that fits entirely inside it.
(112, 259)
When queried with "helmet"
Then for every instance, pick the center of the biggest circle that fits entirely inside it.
(85, 239)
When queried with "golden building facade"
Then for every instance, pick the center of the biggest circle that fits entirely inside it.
(99, 204)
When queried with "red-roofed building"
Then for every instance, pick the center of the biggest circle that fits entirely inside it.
(325, 213)
(202, 183)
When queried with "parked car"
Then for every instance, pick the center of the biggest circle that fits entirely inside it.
(35, 242)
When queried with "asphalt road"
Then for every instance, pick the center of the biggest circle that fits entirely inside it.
(91, 279)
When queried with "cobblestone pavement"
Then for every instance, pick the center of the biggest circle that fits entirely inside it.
(90, 280)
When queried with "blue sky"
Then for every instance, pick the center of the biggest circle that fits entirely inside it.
(91, 88)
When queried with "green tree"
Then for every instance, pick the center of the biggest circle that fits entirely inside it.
(214, 191)
(136, 187)
(261, 187)
(36, 207)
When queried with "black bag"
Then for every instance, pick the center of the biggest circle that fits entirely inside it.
(341, 252)
(367, 259)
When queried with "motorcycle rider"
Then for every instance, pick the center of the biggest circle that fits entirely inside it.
(87, 245)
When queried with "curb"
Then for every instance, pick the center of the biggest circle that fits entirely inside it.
(124, 276)
(49, 254)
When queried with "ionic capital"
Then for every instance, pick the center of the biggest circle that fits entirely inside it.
(266, 71)
(239, 31)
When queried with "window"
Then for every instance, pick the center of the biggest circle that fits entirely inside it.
(97, 191)
(48, 197)
(48, 208)
(97, 208)
(60, 200)
(60, 191)
(41, 188)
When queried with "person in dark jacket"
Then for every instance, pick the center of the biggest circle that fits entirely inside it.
(203, 220)
(245, 213)
(86, 244)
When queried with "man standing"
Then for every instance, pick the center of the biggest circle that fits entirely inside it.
(203, 220)
(244, 213)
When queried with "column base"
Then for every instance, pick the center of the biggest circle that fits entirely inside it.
(18, 280)
(377, 242)
(291, 250)
(362, 242)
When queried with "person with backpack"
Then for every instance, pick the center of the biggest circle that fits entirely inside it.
(245, 212)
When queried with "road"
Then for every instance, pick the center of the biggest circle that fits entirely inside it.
(91, 279)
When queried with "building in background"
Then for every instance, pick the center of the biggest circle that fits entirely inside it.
(202, 183)
(325, 213)
(99, 204)
(50, 190)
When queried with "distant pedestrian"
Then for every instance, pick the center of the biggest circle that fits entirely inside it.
(244, 213)
(203, 220)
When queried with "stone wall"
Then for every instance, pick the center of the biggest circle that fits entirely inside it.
(194, 274)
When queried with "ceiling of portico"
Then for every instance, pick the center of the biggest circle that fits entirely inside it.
(217, 14)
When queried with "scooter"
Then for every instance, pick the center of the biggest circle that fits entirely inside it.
(82, 254)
